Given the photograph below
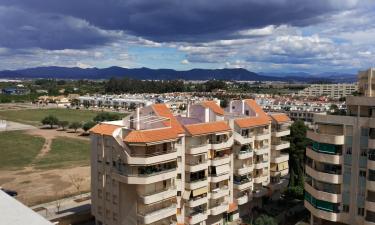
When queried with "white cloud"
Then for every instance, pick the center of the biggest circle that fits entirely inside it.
(185, 62)
(83, 65)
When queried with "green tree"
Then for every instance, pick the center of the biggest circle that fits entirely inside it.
(298, 143)
(105, 116)
(50, 120)
(265, 220)
(88, 125)
(75, 126)
(63, 124)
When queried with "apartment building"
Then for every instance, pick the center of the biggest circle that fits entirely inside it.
(329, 90)
(208, 166)
(340, 163)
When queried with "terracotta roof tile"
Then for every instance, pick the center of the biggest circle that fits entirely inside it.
(104, 129)
(261, 119)
(253, 121)
(214, 107)
(280, 117)
(162, 110)
(155, 135)
(207, 128)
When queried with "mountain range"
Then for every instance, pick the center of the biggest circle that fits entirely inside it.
(168, 74)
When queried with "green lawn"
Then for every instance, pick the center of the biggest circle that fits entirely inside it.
(65, 152)
(18, 149)
(34, 116)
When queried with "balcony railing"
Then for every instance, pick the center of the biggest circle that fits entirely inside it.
(145, 155)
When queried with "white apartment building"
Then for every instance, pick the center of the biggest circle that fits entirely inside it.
(209, 166)
(329, 90)
(121, 101)
(340, 163)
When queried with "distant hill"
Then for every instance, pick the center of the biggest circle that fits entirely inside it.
(162, 74)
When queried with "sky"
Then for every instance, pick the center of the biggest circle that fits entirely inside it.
(259, 35)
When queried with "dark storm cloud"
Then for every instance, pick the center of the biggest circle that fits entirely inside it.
(192, 21)
(26, 29)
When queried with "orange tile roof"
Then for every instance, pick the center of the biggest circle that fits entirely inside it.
(280, 117)
(104, 129)
(252, 121)
(155, 135)
(255, 107)
(162, 110)
(261, 119)
(214, 107)
(207, 128)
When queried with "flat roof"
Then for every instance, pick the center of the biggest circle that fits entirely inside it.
(15, 213)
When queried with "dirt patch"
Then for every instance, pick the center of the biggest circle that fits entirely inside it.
(38, 186)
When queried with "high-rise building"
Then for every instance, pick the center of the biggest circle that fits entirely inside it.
(206, 167)
(340, 163)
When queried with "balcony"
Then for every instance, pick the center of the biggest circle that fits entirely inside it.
(262, 135)
(194, 202)
(246, 154)
(279, 159)
(331, 176)
(146, 177)
(260, 192)
(196, 217)
(326, 138)
(323, 214)
(327, 195)
(243, 199)
(217, 161)
(262, 150)
(280, 145)
(214, 178)
(323, 157)
(196, 166)
(243, 140)
(370, 205)
(158, 196)
(260, 165)
(243, 184)
(218, 209)
(245, 170)
(370, 185)
(222, 145)
(195, 184)
(371, 143)
(198, 149)
(219, 192)
(281, 132)
(152, 158)
(151, 217)
(260, 179)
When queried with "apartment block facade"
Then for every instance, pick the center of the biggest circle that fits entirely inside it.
(209, 166)
(329, 90)
(340, 163)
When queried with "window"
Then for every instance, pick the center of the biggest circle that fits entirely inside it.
(179, 176)
(363, 152)
(362, 173)
(348, 150)
(114, 199)
(364, 132)
(246, 112)
(361, 211)
(100, 193)
(178, 193)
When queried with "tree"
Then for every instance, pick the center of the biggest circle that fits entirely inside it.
(63, 124)
(105, 116)
(298, 143)
(295, 192)
(76, 182)
(50, 120)
(88, 125)
(75, 126)
(265, 220)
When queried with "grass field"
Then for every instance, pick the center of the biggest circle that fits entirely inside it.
(65, 152)
(34, 116)
(18, 149)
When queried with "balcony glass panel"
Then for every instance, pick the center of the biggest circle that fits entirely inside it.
(322, 205)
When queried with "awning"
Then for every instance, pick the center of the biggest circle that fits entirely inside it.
(283, 165)
(222, 169)
(200, 191)
(186, 195)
